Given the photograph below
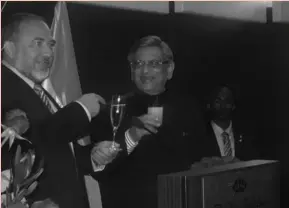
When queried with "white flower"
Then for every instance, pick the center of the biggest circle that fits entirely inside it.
(5, 179)
(9, 134)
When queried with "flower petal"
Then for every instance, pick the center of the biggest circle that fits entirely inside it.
(5, 179)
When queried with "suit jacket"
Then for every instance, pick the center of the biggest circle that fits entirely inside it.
(244, 138)
(132, 182)
(50, 135)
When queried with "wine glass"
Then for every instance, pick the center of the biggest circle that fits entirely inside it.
(117, 107)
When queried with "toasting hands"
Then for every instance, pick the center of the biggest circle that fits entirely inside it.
(145, 125)
(103, 154)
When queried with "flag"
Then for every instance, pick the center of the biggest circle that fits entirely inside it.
(63, 83)
(64, 74)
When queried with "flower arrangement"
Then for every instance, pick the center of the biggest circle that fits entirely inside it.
(20, 180)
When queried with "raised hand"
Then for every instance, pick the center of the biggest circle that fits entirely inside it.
(92, 102)
(145, 125)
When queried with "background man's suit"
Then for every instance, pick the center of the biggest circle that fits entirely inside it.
(244, 140)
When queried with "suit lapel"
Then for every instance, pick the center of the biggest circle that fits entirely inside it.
(238, 139)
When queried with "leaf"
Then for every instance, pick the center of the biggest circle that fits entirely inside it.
(29, 180)
(8, 197)
(20, 174)
(16, 161)
(17, 190)
(40, 168)
(10, 188)
(33, 157)
(11, 141)
(20, 195)
(33, 177)
(28, 160)
(31, 188)
(41, 164)
(17, 155)
(29, 164)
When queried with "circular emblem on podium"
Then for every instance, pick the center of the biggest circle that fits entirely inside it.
(239, 185)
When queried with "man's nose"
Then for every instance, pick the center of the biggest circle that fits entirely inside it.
(145, 69)
(47, 50)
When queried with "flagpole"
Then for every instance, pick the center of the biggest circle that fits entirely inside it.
(4, 6)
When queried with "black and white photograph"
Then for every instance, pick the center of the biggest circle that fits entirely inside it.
(144, 104)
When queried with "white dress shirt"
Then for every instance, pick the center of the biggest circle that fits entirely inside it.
(218, 133)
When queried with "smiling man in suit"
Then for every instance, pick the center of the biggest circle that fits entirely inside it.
(27, 58)
(227, 134)
(161, 124)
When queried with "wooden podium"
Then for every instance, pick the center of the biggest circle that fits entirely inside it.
(251, 184)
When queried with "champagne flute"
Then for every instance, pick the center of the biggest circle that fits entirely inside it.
(117, 107)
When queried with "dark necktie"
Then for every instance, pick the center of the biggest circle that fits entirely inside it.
(227, 144)
(45, 99)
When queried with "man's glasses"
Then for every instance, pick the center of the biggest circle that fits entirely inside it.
(153, 64)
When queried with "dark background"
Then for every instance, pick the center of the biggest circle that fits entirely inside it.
(251, 57)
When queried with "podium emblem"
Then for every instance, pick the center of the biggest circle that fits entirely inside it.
(239, 185)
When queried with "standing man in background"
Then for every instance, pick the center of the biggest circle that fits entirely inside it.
(227, 134)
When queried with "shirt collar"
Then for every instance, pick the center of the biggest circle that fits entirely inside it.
(220, 130)
(15, 71)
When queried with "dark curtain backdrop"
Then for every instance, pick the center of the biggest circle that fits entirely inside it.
(252, 57)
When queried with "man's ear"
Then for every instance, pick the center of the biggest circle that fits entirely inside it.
(9, 49)
(170, 70)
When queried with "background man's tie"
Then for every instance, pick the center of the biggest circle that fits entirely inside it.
(227, 144)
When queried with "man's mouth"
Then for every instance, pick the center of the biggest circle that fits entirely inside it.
(47, 61)
(145, 79)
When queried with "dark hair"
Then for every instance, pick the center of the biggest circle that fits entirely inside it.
(212, 95)
(150, 41)
(12, 25)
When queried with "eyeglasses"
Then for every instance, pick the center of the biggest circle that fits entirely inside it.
(223, 105)
(152, 64)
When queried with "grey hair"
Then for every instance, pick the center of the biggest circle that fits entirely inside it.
(151, 41)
